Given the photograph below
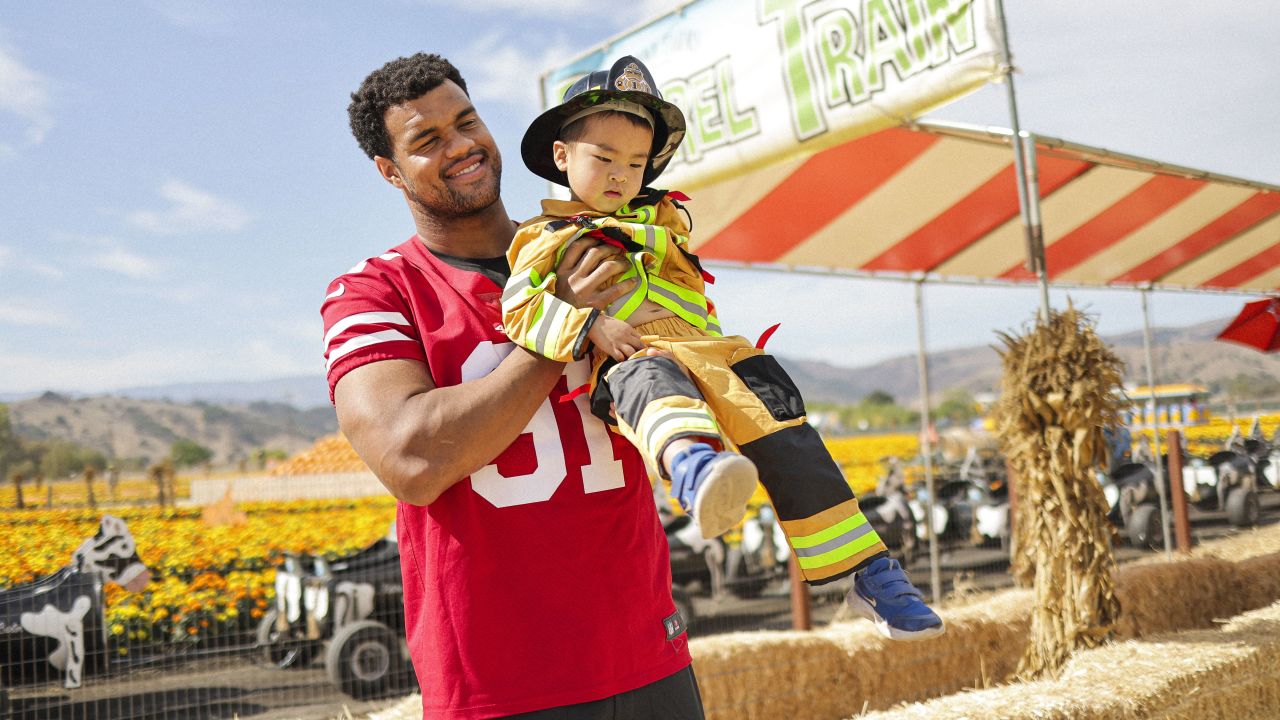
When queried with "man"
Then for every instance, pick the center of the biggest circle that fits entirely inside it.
(536, 573)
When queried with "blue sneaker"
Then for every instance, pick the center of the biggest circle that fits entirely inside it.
(882, 593)
(713, 487)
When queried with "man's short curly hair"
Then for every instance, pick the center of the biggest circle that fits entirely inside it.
(398, 81)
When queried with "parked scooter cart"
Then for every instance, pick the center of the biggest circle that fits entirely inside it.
(55, 627)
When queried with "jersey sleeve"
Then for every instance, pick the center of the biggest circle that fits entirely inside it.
(532, 315)
(366, 320)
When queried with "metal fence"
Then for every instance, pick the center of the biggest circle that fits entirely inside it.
(297, 635)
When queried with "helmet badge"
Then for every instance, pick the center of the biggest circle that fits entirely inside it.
(632, 80)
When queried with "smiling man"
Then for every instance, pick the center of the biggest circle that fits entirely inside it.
(536, 576)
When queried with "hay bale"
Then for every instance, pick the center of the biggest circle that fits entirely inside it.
(821, 674)
(1180, 595)
(1203, 674)
(846, 667)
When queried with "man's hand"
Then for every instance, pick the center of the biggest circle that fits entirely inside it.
(615, 338)
(586, 273)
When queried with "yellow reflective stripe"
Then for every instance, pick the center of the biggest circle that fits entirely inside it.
(521, 287)
(843, 552)
(623, 307)
(829, 533)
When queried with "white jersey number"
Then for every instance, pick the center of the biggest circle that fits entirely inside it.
(602, 473)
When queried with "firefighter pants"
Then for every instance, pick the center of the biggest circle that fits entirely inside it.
(741, 396)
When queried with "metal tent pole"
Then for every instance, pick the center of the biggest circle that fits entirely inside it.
(1026, 196)
(926, 448)
(1155, 428)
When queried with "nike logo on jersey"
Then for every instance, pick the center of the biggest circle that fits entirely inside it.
(336, 293)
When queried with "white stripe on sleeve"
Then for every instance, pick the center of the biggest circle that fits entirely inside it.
(363, 341)
(365, 318)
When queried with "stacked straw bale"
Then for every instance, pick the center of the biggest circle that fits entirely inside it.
(1061, 386)
(1228, 673)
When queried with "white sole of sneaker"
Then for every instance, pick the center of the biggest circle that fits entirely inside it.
(722, 499)
(859, 605)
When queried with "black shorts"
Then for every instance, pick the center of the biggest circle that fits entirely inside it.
(674, 697)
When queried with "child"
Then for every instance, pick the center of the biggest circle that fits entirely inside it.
(740, 416)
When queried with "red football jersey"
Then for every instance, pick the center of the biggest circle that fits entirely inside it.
(543, 579)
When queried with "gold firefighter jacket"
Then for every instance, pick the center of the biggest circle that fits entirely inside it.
(654, 235)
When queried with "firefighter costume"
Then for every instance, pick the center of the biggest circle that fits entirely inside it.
(738, 393)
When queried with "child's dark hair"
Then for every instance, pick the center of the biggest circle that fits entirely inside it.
(576, 129)
(398, 81)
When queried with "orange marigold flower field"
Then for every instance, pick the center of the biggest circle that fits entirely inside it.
(207, 581)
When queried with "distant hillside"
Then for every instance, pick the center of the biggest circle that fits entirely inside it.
(134, 428)
(234, 419)
(1186, 354)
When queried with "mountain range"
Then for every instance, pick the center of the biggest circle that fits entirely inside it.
(235, 418)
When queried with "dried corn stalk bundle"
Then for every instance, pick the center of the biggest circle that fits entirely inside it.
(1061, 386)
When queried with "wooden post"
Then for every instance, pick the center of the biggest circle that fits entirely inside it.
(1178, 493)
(17, 488)
(89, 475)
(157, 475)
(1009, 480)
(801, 615)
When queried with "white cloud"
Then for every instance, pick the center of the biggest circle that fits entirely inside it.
(25, 94)
(190, 210)
(14, 262)
(27, 315)
(498, 70)
(123, 262)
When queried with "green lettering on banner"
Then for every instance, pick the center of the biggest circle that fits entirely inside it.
(884, 40)
(712, 115)
(917, 29)
(706, 109)
(838, 33)
(949, 21)
(806, 115)
(742, 123)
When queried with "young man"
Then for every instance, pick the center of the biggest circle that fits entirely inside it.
(536, 573)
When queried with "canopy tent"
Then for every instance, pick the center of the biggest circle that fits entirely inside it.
(940, 200)
(803, 153)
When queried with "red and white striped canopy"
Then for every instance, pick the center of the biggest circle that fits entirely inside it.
(940, 199)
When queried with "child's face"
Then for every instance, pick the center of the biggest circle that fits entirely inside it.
(606, 165)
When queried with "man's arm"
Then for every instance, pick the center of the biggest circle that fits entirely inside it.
(420, 439)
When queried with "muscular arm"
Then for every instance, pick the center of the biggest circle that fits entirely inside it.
(420, 439)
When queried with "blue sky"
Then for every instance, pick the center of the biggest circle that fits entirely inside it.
(181, 183)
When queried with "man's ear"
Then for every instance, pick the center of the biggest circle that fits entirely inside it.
(389, 172)
(560, 154)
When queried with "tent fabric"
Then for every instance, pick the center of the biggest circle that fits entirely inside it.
(940, 200)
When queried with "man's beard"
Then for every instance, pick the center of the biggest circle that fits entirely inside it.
(449, 202)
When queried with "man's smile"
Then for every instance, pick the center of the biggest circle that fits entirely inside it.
(466, 167)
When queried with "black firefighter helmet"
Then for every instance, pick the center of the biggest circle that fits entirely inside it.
(627, 80)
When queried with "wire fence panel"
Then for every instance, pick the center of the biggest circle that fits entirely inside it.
(291, 608)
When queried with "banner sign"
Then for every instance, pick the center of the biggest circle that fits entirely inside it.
(767, 80)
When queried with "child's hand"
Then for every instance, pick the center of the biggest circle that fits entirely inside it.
(615, 338)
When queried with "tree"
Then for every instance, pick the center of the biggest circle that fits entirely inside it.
(10, 451)
(958, 406)
(879, 397)
(186, 452)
